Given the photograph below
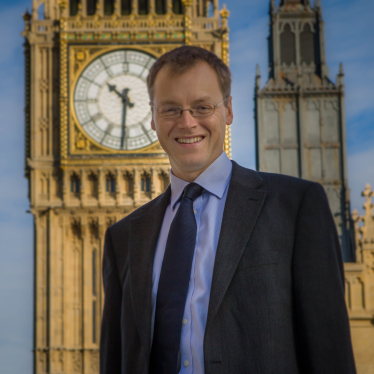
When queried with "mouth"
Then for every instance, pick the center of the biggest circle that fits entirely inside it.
(197, 139)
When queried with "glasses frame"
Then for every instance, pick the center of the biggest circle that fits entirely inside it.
(189, 109)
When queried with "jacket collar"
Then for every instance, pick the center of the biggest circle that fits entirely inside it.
(144, 233)
(243, 206)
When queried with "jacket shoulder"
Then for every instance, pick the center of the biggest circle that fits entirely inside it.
(285, 181)
(123, 223)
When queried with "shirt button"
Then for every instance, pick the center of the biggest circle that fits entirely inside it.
(184, 321)
(186, 363)
(195, 211)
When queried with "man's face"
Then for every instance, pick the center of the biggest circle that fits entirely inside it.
(197, 85)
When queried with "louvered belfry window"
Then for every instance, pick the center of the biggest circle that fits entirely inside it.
(160, 7)
(307, 45)
(288, 50)
(73, 7)
(177, 6)
(125, 7)
(143, 7)
(108, 7)
(91, 7)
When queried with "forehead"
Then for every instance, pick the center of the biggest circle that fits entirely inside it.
(200, 79)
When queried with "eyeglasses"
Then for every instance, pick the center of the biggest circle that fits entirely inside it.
(197, 111)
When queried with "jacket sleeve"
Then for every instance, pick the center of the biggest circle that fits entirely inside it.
(110, 338)
(322, 325)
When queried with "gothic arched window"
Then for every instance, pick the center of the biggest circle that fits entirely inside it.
(145, 184)
(160, 7)
(74, 184)
(108, 7)
(287, 44)
(74, 7)
(91, 7)
(125, 7)
(143, 7)
(177, 7)
(307, 45)
(110, 183)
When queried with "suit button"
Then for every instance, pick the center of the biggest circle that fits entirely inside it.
(195, 211)
(184, 321)
(186, 363)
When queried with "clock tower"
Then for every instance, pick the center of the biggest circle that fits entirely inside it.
(299, 114)
(91, 155)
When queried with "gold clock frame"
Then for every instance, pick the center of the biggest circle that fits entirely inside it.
(78, 70)
(76, 145)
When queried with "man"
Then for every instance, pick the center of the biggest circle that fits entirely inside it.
(230, 270)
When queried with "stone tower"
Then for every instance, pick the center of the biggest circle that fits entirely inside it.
(299, 114)
(91, 156)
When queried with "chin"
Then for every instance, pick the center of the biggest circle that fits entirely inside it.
(192, 164)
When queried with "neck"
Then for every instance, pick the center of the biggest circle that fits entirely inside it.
(189, 175)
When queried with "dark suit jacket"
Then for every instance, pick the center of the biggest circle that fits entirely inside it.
(277, 298)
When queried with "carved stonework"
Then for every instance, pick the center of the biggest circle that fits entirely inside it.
(95, 361)
(94, 228)
(77, 362)
(110, 221)
(359, 278)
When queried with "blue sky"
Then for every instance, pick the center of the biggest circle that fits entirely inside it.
(349, 39)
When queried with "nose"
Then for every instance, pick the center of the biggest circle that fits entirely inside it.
(187, 120)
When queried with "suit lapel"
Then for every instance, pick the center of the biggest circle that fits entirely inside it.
(243, 206)
(144, 233)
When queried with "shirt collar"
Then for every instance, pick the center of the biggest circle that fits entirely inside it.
(214, 179)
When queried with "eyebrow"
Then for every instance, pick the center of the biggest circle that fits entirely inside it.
(199, 100)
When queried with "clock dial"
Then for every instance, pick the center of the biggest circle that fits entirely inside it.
(111, 100)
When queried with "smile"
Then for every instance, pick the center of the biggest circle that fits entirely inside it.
(189, 140)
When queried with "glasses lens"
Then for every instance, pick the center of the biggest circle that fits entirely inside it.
(202, 110)
(169, 111)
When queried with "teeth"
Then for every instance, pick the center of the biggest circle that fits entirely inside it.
(190, 140)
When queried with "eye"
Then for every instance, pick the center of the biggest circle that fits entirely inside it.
(169, 109)
(203, 107)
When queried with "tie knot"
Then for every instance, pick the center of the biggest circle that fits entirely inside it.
(192, 191)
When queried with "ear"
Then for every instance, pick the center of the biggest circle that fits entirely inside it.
(153, 126)
(229, 113)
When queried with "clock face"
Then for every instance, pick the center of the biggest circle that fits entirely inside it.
(111, 100)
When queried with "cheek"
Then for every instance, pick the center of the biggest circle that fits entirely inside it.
(163, 130)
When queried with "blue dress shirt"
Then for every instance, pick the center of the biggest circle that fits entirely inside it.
(208, 209)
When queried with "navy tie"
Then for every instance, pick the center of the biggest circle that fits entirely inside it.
(173, 285)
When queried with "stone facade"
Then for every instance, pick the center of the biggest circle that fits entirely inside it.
(359, 287)
(299, 114)
(77, 188)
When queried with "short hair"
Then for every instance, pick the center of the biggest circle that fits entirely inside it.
(181, 59)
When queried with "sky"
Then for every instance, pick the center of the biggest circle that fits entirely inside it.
(349, 29)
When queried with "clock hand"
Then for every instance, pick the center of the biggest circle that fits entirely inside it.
(112, 88)
(125, 103)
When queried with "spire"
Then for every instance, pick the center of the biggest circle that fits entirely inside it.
(258, 77)
(341, 70)
(340, 76)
